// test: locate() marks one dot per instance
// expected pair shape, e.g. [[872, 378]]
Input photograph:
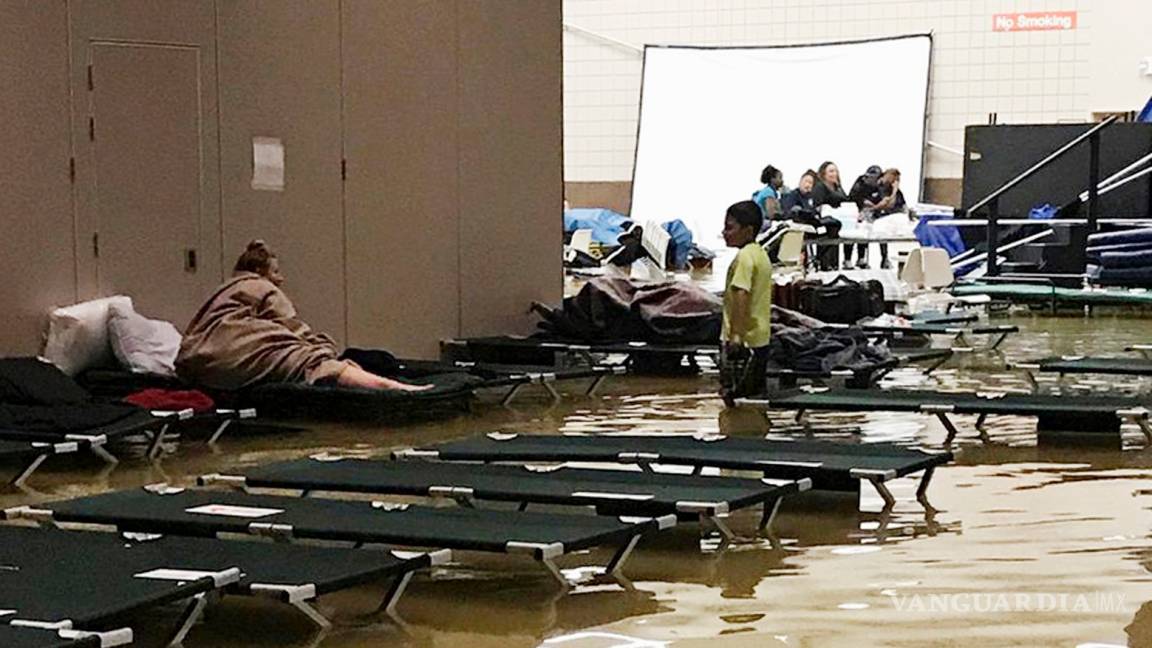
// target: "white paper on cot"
[[181, 575], [234, 511]]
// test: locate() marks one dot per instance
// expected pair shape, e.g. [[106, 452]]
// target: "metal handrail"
[[1058, 153]]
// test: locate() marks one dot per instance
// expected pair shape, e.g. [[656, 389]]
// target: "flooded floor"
[[1034, 545]]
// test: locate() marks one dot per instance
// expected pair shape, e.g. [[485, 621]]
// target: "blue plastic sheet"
[[606, 225], [681, 243], [946, 238]]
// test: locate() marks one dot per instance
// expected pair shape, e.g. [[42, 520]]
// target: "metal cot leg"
[[219, 431], [766, 519], [615, 567], [596, 384], [922, 489], [885, 494], [511, 395], [392, 598], [22, 477], [188, 618], [948, 425]]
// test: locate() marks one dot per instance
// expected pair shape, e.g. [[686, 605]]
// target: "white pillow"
[[142, 345], [78, 335]]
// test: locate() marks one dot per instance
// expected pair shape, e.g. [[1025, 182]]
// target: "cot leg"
[[800, 415], [922, 490], [939, 362], [392, 597], [1145, 428], [100, 451], [552, 391], [1032, 383], [511, 395], [22, 477], [219, 431], [981, 429], [522, 507], [556, 574], [156, 444], [766, 519], [596, 384], [615, 566], [313, 614], [188, 618], [726, 533], [948, 425], [885, 494]]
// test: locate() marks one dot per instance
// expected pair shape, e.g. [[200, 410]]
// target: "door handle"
[[190, 260]]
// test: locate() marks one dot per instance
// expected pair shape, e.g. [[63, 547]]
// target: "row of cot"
[[57, 584], [32, 446], [31, 431]]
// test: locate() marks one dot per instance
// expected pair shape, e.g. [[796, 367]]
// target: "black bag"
[[843, 301]]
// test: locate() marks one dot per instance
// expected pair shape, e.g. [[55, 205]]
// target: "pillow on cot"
[[78, 335], [142, 345]]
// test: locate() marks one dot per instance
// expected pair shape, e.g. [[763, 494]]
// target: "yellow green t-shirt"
[[751, 271]]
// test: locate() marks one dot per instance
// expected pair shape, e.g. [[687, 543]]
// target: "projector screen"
[[712, 118]]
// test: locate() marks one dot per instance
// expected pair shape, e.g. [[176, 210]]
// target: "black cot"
[[94, 425], [611, 492], [20, 636], [163, 509], [515, 377], [293, 574], [1064, 413], [1064, 365], [536, 351], [61, 580], [28, 455], [829, 466]]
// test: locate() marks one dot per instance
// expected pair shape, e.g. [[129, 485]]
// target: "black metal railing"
[[991, 202]]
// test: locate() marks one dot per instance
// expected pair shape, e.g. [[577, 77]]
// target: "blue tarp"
[[946, 238], [606, 225], [1146, 114], [681, 243]]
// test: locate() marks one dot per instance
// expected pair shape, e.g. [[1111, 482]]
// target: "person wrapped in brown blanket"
[[248, 333]]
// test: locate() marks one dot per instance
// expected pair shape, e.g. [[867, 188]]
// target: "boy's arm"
[[741, 308]]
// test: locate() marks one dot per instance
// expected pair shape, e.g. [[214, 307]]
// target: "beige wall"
[[37, 264], [280, 77], [447, 112]]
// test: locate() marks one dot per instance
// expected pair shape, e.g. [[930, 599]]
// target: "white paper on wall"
[[712, 118], [267, 164]]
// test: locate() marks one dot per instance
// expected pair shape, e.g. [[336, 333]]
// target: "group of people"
[[876, 193], [747, 325]]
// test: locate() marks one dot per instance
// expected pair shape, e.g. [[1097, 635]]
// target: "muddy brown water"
[[1035, 545]]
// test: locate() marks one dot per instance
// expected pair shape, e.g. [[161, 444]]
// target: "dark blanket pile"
[[36, 396], [823, 350], [609, 309]]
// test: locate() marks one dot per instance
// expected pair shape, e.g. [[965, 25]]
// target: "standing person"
[[828, 191], [768, 196], [747, 322], [866, 194], [891, 201]]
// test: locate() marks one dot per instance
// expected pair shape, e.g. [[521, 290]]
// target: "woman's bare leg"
[[354, 376]]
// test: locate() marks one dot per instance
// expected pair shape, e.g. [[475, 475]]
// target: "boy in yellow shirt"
[[747, 304]]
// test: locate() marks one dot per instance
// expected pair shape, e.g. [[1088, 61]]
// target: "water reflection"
[[1015, 517]]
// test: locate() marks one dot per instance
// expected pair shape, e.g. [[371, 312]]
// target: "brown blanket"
[[248, 333]]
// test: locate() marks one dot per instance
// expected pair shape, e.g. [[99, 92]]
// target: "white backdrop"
[[711, 119]]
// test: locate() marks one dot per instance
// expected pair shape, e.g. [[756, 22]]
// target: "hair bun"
[[256, 244]]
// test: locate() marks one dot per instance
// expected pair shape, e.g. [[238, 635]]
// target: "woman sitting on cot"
[[248, 333]]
